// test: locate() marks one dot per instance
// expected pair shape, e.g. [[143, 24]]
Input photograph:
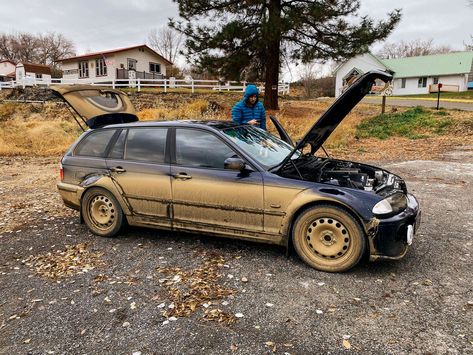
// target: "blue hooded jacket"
[[243, 112]]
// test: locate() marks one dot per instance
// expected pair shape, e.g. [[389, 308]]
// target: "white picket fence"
[[138, 84]]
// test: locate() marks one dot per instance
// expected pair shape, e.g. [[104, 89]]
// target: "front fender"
[[358, 203]]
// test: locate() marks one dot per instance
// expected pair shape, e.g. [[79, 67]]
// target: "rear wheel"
[[102, 212], [328, 238]]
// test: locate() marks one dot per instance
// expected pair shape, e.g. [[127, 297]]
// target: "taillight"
[[61, 172]]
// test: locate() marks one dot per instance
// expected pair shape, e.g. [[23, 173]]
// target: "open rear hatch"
[[97, 106]]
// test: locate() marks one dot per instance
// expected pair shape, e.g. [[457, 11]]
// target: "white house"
[[31, 71], [123, 63], [7, 70], [413, 75]]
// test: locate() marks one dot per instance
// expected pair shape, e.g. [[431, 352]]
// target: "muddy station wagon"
[[237, 181]]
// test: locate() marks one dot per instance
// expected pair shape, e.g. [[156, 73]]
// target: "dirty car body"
[[216, 178]]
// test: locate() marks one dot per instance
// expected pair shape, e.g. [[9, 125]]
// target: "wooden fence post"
[[139, 84], [383, 105], [165, 85], [193, 86]]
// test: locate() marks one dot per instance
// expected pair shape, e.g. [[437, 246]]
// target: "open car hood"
[[323, 128], [97, 106]]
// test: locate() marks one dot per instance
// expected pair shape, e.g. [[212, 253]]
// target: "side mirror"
[[234, 164]]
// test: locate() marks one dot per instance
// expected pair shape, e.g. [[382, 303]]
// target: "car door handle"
[[117, 169], [183, 176]]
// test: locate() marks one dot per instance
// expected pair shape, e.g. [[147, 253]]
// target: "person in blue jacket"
[[250, 110]]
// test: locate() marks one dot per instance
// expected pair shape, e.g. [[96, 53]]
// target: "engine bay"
[[343, 173]]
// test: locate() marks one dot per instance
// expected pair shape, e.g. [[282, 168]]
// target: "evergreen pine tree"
[[246, 39]]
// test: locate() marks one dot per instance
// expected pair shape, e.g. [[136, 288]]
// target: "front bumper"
[[70, 194], [393, 235]]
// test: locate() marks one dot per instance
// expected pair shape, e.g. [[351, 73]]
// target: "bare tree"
[[469, 46], [40, 48], [54, 46], [308, 75], [411, 49], [166, 41]]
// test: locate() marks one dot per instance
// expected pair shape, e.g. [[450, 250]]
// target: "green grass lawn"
[[465, 95], [414, 123]]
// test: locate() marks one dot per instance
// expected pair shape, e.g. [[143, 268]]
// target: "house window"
[[84, 69], [436, 80], [154, 67], [39, 76], [422, 83], [131, 64], [403, 83], [100, 67]]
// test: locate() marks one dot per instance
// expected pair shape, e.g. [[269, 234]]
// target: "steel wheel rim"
[[102, 212], [327, 238]]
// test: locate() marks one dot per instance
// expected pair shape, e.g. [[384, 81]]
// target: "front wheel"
[[102, 212], [328, 238]]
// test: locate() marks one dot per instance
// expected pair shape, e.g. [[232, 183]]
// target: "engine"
[[344, 173]]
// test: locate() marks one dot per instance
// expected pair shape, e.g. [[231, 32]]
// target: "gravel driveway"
[[154, 292]]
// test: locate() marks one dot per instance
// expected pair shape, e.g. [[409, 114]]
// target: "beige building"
[[29, 72], [140, 62], [7, 70]]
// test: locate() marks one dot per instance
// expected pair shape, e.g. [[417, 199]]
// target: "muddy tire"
[[328, 238], [102, 212]]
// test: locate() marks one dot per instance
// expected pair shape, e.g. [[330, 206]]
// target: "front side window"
[[422, 83], [146, 144], [100, 67], [436, 80], [154, 68], [267, 149], [196, 148], [95, 144], [84, 69]]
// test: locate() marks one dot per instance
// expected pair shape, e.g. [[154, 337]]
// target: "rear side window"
[[146, 144], [119, 147], [95, 144]]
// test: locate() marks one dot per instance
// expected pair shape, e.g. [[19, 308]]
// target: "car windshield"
[[267, 149]]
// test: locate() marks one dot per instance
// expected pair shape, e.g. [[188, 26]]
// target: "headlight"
[[390, 205]]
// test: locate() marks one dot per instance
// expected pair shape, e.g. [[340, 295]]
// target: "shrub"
[[414, 123]]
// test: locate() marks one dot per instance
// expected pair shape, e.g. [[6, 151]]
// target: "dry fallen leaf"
[[73, 260], [233, 347], [190, 290], [346, 344]]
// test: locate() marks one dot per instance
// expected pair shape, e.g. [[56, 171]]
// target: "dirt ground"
[[63, 290]]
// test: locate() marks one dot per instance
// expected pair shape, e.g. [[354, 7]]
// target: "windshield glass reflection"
[[267, 149]]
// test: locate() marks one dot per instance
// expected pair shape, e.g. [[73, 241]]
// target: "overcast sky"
[[95, 25]]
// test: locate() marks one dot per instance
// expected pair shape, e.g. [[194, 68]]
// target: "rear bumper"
[[391, 241], [70, 194]]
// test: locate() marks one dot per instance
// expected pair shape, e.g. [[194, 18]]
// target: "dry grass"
[[298, 116], [36, 129], [49, 129], [196, 109]]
